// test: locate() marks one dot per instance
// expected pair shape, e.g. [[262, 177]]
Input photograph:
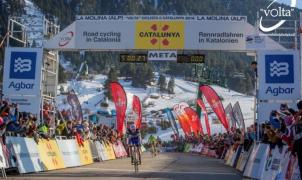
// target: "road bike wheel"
[[135, 155]]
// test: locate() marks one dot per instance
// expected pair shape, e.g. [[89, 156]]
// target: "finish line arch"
[[122, 33]]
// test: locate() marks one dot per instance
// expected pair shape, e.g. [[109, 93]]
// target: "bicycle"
[[153, 149], [135, 157]]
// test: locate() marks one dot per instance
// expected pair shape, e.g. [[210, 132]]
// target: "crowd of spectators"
[[23, 124]]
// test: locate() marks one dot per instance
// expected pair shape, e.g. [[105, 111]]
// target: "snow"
[[33, 20], [185, 91]]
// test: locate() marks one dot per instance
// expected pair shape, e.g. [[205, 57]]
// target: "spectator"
[[297, 135]]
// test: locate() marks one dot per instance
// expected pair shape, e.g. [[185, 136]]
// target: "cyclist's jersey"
[[152, 139], [133, 137]]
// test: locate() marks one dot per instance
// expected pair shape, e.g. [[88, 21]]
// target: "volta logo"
[[279, 69], [66, 38], [273, 13], [23, 65]]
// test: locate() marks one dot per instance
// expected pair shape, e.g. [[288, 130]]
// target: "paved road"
[[165, 166]]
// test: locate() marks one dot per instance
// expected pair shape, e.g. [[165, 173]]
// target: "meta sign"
[[279, 75]]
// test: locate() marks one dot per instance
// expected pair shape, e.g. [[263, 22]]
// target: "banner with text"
[[104, 32]]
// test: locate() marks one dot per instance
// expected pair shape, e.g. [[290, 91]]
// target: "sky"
[[299, 2]]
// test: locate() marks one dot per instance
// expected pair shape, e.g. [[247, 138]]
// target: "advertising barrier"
[[119, 150], [109, 151], [26, 153], [50, 155], [243, 159], [69, 152], [273, 163], [3, 159], [257, 161], [85, 153], [101, 151], [94, 151]]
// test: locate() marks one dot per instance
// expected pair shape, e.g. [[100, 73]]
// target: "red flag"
[[120, 100], [182, 119], [204, 111], [137, 109], [215, 102], [194, 121]]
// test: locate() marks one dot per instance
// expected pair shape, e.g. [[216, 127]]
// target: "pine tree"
[[162, 82], [112, 77], [171, 85]]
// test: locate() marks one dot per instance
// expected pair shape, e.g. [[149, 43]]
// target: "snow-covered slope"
[[33, 20], [91, 92]]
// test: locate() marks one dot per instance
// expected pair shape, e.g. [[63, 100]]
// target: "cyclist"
[[134, 140], [152, 141]]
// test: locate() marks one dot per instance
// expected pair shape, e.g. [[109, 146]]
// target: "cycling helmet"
[[132, 127]]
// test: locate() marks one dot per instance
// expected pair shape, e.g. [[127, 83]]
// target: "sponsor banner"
[[75, 104], [257, 161], [30, 104], [279, 75], [162, 55], [137, 109], [194, 121], [50, 155], [85, 153], [22, 71], [120, 101], [265, 109], [64, 40], [153, 33], [159, 35], [230, 116], [215, 103], [101, 151], [205, 114], [70, 152], [198, 18], [211, 36], [105, 35], [172, 119], [182, 118], [26, 153]]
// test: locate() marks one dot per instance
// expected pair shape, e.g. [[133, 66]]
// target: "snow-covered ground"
[[185, 91]]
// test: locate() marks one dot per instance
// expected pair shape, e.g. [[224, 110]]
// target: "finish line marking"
[[169, 172]]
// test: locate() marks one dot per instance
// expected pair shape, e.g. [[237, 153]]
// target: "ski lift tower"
[[25, 36]]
